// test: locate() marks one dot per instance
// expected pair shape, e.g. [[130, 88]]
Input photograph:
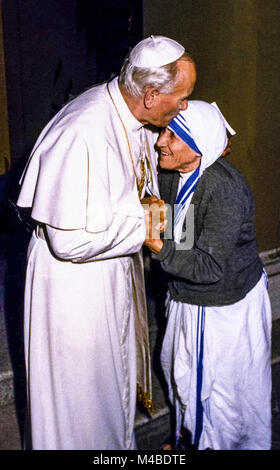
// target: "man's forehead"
[[187, 75], [184, 88], [189, 70]]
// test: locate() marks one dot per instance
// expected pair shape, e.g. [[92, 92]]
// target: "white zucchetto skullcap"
[[155, 51]]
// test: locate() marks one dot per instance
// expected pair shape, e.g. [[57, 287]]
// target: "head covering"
[[155, 51], [202, 127], [229, 128], [179, 126]]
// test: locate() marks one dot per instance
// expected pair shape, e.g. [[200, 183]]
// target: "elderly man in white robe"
[[216, 350], [84, 283]]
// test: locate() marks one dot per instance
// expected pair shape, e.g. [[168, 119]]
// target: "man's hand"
[[155, 216]]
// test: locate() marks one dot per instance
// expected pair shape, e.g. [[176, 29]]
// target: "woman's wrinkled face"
[[175, 154]]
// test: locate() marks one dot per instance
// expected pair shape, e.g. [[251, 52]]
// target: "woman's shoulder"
[[223, 172], [223, 181]]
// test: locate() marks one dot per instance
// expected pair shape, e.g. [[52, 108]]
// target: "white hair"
[[135, 79]]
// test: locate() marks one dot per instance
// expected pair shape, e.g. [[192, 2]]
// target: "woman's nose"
[[162, 139]]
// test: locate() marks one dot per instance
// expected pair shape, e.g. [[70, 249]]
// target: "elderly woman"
[[216, 349]]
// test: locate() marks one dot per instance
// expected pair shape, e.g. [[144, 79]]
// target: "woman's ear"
[[150, 97]]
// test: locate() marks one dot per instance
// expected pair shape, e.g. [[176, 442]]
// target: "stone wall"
[[236, 46]]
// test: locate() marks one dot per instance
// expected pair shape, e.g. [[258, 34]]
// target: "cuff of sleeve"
[[167, 249]]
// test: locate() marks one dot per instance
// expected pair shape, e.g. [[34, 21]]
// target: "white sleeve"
[[125, 236]]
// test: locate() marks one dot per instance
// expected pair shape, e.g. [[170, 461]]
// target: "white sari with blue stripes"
[[216, 361], [217, 364]]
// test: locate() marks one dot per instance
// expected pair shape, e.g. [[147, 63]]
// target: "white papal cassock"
[[80, 341]]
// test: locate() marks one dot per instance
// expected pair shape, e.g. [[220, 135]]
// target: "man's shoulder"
[[91, 101], [84, 113]]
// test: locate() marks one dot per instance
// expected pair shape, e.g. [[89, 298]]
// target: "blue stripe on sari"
[[185, 193], [199, 352], [182, 121], [174, 126], [187, 185]]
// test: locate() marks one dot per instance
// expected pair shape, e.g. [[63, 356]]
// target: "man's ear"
[[150, 97]]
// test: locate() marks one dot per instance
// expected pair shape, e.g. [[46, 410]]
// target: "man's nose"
[[183, 105]]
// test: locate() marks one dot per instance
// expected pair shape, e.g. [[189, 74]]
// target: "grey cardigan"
[[223, 265]]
